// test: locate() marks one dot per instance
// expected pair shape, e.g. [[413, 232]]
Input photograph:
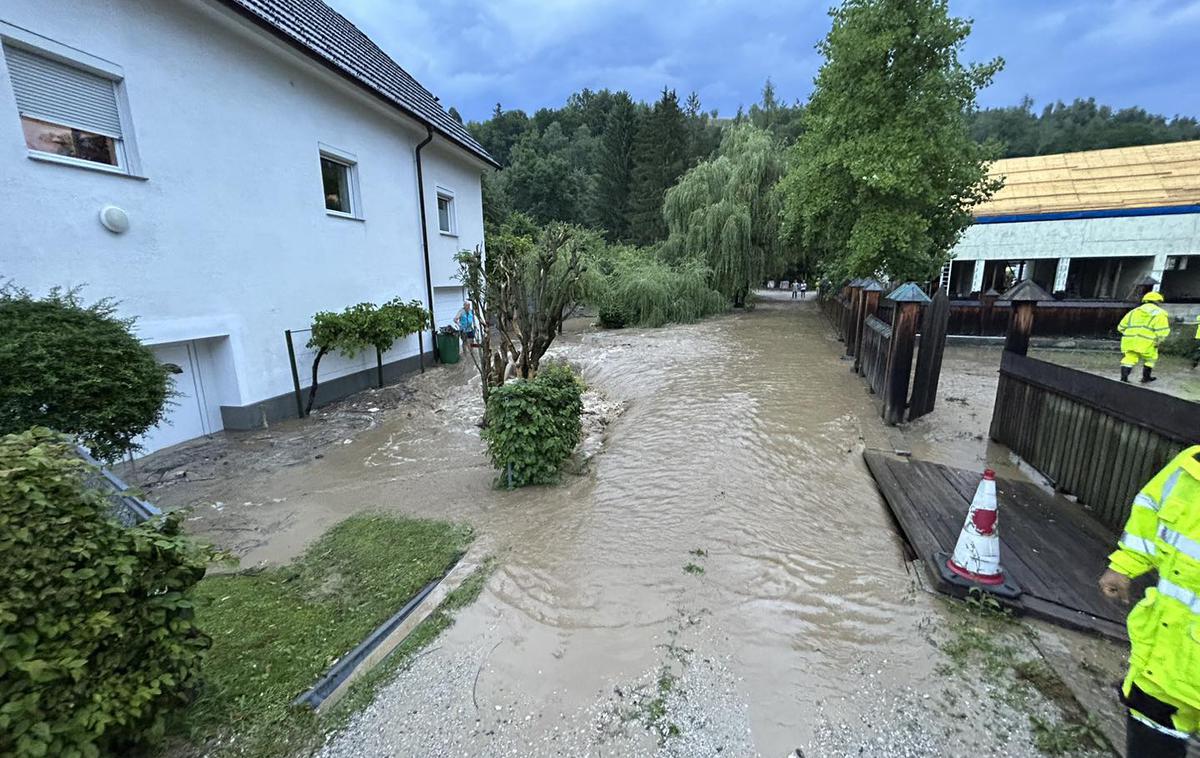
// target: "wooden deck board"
[[1052, 548]]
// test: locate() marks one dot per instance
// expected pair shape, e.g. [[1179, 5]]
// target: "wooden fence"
[[1055, 318], [1096, 438], [876, 344], [881, 334]]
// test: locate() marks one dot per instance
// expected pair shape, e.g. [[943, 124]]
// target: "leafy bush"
[[533, 425], [638, 289], [97, 641], [1181, 342], [77, 369]]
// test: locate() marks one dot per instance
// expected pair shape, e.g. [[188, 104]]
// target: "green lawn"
[[275, 631]]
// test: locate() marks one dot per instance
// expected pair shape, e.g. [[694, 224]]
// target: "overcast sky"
[[529, 53]]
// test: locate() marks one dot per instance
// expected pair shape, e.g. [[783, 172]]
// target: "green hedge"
[[97, 641], [533, 426]]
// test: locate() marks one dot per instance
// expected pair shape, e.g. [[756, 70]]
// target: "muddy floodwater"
[[734, 452]]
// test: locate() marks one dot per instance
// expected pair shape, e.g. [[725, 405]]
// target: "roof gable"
[[324, 34]]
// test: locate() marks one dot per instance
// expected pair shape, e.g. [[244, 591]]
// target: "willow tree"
[[884, 176], [725, 212]]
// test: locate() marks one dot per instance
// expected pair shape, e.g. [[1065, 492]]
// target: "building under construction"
[[1088, 225]]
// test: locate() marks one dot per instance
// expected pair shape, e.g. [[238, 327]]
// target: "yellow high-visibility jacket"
[[1143, 328], [1163, 533], [1198, 327]]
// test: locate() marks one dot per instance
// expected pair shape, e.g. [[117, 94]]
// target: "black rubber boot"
[[1147, 375], [1125, 372], [1142, 741]]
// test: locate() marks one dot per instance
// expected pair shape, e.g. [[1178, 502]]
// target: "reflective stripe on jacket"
[[1143, 327], [1163, 534]]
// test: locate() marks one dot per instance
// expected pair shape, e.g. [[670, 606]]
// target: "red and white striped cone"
[[977, 554]]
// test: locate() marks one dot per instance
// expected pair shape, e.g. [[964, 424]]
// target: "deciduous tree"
[[725, 212], [885, 175]]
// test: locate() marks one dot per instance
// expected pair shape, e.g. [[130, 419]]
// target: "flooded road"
[[727, 541]]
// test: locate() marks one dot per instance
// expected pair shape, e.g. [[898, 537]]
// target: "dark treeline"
[[604, 160], [1081, 125]]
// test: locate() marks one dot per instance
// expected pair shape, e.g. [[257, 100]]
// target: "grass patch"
[[363, 690], [981, 633], [275, 631], [699, 552], [692, 568], [653, 709], [985, 635]]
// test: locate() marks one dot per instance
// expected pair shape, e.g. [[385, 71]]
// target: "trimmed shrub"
[[97, 642], [533, 425], [77, 369]]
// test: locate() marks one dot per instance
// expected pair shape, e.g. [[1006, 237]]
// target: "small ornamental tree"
[[77, 369], [360, 327], [522, 289], [97, 639]]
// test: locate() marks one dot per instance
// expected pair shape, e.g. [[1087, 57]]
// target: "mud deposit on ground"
[[727, 540]]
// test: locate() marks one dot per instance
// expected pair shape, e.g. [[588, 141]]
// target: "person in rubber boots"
[[1141, 330], [1162, 688]]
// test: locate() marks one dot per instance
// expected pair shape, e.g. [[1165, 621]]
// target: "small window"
[[339, 183], [445, 203], [66, 111], [336, 177]]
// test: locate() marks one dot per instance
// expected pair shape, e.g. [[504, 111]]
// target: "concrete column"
[[1060, 274], [977, 277], [1157, 269]]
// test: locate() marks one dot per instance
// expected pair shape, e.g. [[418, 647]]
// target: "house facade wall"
[[229, 242], [1152, 237]]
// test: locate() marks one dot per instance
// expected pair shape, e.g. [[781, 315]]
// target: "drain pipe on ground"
[[425, 244]]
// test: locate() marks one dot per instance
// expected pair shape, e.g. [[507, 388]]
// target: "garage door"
[[190, 414], [446, 302]]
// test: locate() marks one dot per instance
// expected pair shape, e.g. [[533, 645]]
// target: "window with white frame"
[[339, 182], [69, 111], [445, 205]]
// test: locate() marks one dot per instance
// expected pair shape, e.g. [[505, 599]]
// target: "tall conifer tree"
[[659, 158], [615, 177]]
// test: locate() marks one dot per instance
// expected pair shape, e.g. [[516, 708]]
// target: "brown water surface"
[[741, 438]]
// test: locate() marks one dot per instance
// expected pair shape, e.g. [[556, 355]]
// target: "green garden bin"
[[447, 346]]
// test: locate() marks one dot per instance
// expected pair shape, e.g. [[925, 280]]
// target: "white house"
[[1088, 224], [225, 169]]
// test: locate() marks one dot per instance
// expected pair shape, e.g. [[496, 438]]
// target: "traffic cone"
[[977, 554]]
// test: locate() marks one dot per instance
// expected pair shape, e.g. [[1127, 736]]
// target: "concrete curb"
[[380, 643]]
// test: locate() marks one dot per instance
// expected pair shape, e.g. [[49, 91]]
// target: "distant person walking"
[[795, 290], [1162, 688], [803, 289], [1142, 329]]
